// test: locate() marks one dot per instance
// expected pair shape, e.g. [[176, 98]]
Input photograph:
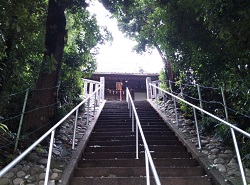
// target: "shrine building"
[[116, 84]]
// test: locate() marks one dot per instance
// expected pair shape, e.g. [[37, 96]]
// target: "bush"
[[223, 133], [186, 110], [209, 125]]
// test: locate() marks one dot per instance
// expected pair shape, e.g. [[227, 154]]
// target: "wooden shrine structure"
[[116, 84]]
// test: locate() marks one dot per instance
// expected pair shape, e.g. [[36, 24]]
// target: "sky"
[[118, 56]]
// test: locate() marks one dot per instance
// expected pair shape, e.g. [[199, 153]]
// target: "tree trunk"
[[167, 64], [44, 98]]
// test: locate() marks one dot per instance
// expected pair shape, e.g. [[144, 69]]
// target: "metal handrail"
[[148, 157], [52, 132], [232, 127]]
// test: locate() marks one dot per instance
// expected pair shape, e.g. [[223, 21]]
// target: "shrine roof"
[[119, 73], [123, 76]]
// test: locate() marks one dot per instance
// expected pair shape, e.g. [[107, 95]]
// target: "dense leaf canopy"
[[206, 42], [28, 54]]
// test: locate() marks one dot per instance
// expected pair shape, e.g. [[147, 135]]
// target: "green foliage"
[[207, 41], [162, 78], [79, 57], [186, 110], [39, 148], [21, 43], [7, 144], [21, 51], [3, 128], [245, 149], [22, 36], [223, 133], [209, 125]]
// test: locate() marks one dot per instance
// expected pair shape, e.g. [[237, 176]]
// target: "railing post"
[[74, 134], [164, 100], [126, 94], [234, 140], [133, 122], [224, 102], [130, 109], [154, 92], [88, 112], [197, 128], [147, 168], [137, 141], [21, 119], [102, 94], [91, 88], [95, 103], [149, 88], [98, 95], [85, 88], [49, 157], [238, 157], [157, 93]]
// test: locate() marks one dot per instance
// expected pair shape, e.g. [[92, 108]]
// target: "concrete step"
[[129, 133], [114, 128], [132, 142], [126, 117], [132, 148], [126, 113], [112, 120], [108, 118], [112, 138], [204, 180], [136, 163], [129, 123], [132, 155], [137, 171]]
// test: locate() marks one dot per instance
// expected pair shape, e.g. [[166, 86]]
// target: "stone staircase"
[[109, 158]]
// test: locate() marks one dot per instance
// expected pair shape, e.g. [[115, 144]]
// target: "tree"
[[21, 42], [207, 43], [33, 54], [48, 79], [79, 55], [21, 50], [209, 38]]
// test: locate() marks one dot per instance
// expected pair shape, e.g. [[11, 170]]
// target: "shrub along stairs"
[[109, 158]]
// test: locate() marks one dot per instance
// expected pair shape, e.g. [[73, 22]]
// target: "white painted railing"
[[91, 85], [148, 159], [97, 98], [154, 91]]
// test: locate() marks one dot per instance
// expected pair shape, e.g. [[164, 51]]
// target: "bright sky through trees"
[[118, 56]]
